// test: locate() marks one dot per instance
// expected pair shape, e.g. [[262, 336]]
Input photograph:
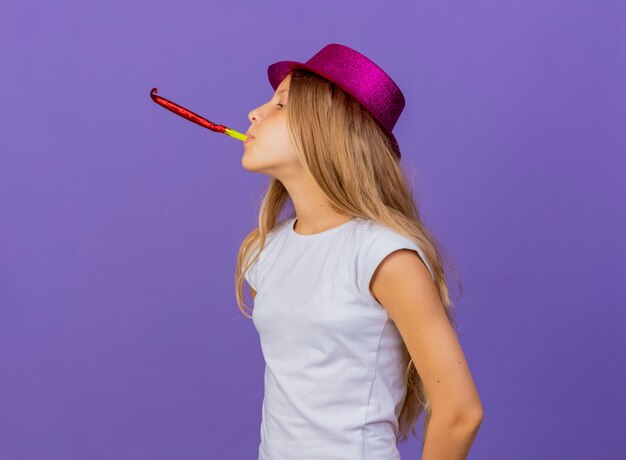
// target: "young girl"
[[350, 300]]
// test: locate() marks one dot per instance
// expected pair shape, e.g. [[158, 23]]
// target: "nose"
[[253, 121], [252, 116]]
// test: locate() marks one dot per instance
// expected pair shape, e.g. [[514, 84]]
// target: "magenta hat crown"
[[356, 74]]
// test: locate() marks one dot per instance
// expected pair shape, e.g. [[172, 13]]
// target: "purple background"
[[120, 221]]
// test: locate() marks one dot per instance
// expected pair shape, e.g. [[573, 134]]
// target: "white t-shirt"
[[334, 367]]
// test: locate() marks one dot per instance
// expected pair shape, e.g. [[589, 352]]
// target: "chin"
[[248, 163]]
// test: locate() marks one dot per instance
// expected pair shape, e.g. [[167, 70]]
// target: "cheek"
[[282, 141], [268, 148], [272, 147], [278, 139]]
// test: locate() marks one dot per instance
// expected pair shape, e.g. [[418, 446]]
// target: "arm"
[[404, 287]]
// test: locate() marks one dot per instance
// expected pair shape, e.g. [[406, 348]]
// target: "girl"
[[350, 300]]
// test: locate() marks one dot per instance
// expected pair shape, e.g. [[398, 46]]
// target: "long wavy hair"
[[356, 166]]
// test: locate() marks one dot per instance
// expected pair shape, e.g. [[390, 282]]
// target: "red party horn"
[[189, 115]]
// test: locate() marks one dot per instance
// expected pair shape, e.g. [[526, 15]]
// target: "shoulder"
[[254, 275], [377, 243], [396, 267], [381, 248], [371, 231], [277, 231], [374, 237], [273, 238], [368, 232]]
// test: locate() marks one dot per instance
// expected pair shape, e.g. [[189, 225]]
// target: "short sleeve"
[[251, 275], [380, 246]]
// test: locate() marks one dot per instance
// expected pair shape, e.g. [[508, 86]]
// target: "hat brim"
[[277, 71]]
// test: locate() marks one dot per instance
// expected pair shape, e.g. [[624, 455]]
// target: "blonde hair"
[[356, 166]]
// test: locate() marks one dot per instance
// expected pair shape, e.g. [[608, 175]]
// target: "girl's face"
[[268, 149]]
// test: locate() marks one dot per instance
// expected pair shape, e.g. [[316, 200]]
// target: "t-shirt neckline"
[[317, 235]]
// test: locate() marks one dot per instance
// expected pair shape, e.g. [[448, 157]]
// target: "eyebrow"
[[282, 91]]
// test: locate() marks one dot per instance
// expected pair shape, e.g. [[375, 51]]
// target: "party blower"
[[189, 115]]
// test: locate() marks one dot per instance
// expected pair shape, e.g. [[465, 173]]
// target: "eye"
[[281, 105]]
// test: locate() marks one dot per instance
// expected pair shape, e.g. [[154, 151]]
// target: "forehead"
[[282, 92], [284, 86]]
